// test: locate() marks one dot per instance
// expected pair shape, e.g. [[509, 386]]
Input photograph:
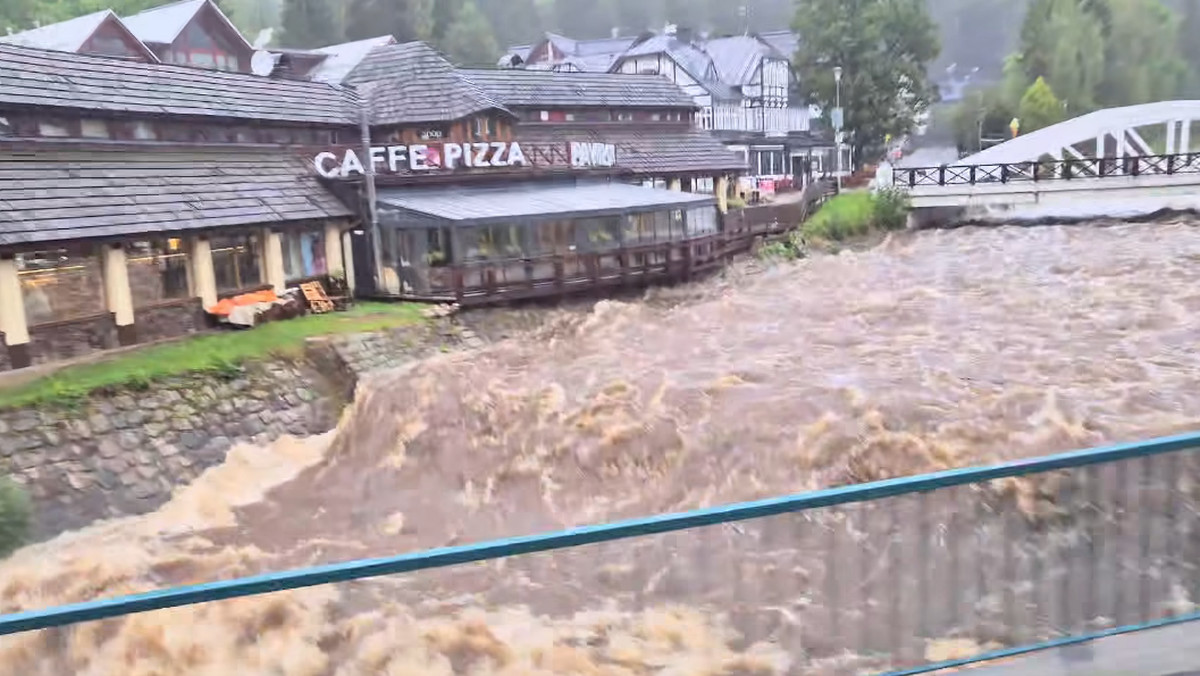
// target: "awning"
[[479, 205]]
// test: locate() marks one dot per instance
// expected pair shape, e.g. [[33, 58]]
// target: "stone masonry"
[[124, 453]]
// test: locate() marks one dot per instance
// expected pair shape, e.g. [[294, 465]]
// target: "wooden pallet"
[[314, 293]]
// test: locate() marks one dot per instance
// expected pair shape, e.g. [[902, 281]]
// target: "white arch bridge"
[[1118, 161]]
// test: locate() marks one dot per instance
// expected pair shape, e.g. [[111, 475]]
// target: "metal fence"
[[1049, 170], [903, 576]]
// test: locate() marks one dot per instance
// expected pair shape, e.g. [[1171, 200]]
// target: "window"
[[304, 254], [701, 221], [483, 127], [144, 131], [602, 233], [235, 262], [622, 116], [569, 117], [656, 117], [492, 242], [544, 116], [556, 237], [61, 284], [53, 129], [202, 59], [158, 271], [706, 118], [93, 129], [5, 127]]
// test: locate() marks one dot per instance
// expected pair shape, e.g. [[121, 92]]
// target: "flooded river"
[[932, 350]]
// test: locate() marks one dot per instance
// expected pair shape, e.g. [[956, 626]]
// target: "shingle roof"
[[64, 36], [33, 77], [53, 194], [691, 58], [786, 43], [341, 59], [412, 83], [649, 150], [737, 58], [163, 24], [493, 203], [532, 88]]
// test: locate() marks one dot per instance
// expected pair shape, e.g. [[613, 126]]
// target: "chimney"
[[684, 34]]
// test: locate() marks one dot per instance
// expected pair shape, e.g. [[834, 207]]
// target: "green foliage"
[[777, 251], [1189, 45], [221, 355], [469, 40], [982, 114], [1143, 61], [890, 208], [1039, 107], [406, 20], [15, 516], [308, 24], [884, 48], [855, 214]]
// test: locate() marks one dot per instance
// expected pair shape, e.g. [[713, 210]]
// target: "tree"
[[406, 20], [469, 40], [1143, 63], [513, 21], [1189, 47], [308, 24], [1039, 107], [1063, 42], [884, 48]]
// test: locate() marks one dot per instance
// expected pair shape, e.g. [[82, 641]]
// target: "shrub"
[[890, 207], [777, 251], [15, 514]]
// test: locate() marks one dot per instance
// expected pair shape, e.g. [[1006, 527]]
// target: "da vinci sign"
[[419, 158]]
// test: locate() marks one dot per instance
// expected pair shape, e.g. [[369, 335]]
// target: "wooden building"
[[133, 195]]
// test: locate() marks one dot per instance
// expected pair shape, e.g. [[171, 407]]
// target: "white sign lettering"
[[587, 155], [421, 158]]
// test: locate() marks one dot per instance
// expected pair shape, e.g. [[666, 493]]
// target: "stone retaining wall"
[[124, 453]]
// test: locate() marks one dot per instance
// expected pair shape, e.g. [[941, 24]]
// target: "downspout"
[[369, 173]]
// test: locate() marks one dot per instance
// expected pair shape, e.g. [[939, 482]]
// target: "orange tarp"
[[226, 306]]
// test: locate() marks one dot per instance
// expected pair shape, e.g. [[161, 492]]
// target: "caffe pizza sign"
[[399, 159]]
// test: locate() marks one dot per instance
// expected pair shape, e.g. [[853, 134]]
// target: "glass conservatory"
[[442, 242]]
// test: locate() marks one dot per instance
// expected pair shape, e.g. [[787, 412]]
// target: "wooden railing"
[[517, 278]]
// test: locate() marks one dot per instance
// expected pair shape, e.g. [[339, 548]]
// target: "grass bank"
[[848, 216], [220, 353]]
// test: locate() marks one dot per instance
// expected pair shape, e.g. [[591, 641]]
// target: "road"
[[1173, 651]]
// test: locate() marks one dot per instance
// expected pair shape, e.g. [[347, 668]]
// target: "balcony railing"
[[771, 121]]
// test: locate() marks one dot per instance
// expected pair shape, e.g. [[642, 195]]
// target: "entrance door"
[[364, 262]]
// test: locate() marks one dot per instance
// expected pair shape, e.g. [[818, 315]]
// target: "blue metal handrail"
[[450, 556]]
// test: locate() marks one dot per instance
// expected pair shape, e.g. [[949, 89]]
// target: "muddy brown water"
[[931, 350]]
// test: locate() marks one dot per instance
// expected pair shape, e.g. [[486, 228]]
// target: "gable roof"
[[786, 43], [737, 58], [163, 24], [64, 36], [691, 58], [412, 83], [46, 79], [343, 58], [536, 88], [72, 34]]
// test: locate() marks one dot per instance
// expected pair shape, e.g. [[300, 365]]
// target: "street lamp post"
[[838, 121]]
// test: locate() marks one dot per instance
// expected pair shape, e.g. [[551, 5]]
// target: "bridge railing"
[[903, 576], [1048, 170]]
